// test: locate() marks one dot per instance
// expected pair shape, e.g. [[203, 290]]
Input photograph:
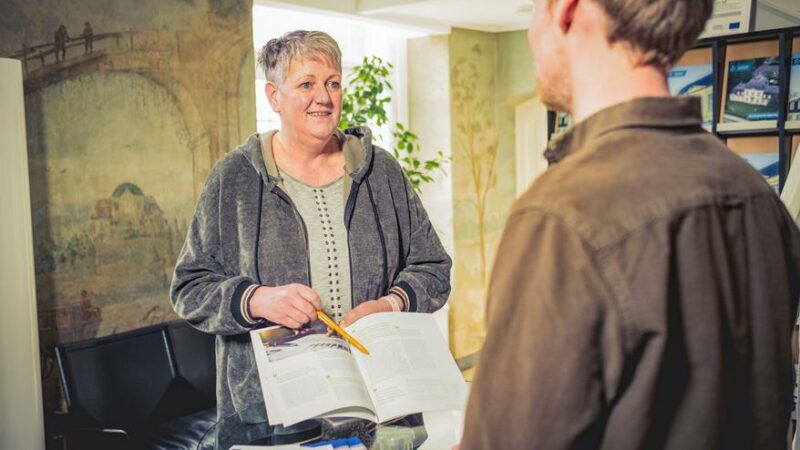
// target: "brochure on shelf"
[[793, 107], [751, 87], [697, 81], [763, 153], [753, 90]]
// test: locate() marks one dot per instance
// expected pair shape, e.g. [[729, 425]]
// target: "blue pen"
[[336, 443]]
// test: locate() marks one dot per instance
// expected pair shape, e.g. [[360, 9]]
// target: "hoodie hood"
[[356, 143]]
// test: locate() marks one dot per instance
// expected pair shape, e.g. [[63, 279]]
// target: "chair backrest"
[[195, 358], [117, 380]]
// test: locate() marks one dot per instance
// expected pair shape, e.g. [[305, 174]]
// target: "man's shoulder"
[[623, 182]]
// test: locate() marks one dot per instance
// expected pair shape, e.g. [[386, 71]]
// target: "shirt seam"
[[581, 230]]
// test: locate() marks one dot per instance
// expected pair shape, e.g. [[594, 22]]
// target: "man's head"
[[652, 32]]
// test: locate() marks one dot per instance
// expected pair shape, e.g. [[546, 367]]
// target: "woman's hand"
[[366, 308], [291, 305]]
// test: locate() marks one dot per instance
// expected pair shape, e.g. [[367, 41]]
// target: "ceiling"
[[434, 16], [438, 16]]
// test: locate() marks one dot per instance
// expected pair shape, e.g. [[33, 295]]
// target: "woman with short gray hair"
[[303, 219]]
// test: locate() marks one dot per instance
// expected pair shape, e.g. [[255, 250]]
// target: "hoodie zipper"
[[348, 216], [384, 267]]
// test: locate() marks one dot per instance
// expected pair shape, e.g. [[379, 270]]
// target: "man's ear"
[[564, 13], [272, 95]]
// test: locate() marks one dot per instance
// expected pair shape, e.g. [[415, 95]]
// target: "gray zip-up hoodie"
[[246, 232]]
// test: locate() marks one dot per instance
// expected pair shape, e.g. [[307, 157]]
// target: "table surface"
[[397, 434]]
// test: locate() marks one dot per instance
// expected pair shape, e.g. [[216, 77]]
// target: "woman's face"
[[309, 100]]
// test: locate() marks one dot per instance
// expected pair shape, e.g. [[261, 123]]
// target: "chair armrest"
[[81, 432], [85, 438]]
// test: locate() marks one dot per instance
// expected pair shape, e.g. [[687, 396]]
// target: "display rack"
[[786, 132]]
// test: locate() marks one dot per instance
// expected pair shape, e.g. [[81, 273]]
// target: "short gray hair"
[[274, 58]]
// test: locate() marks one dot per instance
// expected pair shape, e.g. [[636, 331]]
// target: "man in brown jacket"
[[645, 289]]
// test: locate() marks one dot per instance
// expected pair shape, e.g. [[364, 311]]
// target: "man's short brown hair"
[[659, 30]]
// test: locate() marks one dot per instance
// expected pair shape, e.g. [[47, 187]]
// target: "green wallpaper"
[[490, 73]]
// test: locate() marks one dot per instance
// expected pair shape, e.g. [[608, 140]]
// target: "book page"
[[409, 368], [308, 373]]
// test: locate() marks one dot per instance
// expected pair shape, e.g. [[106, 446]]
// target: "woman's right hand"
[[291, 305]]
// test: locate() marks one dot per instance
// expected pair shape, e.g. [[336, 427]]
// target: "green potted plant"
[[364, 103]]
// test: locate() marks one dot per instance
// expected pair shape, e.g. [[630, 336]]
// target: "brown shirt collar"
[[649, 112]]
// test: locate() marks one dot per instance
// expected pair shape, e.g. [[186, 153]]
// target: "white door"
[[22, 420], [531, 137]]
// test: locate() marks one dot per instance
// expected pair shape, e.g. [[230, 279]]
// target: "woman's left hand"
[[364, 309]]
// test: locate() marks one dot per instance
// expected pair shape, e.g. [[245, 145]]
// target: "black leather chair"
[[189, 410], [148, 388], [200, 372]]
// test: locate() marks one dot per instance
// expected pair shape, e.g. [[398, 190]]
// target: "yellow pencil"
[[335, 327]]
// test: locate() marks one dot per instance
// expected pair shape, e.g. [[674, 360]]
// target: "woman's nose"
[[321, 95]]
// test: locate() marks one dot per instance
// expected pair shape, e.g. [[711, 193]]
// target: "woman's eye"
[[305, 85], [335, 84]]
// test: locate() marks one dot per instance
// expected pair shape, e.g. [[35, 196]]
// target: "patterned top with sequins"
[[322, 210]]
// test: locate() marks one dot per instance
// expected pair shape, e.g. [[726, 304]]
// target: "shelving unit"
[[788, 42], [784, 42]]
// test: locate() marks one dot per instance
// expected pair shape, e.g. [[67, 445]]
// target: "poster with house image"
[[695, 80], [752, 90], [794, 89]]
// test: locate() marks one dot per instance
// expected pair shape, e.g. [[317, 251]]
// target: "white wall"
[[429, 118], [771, 14], [21, 419], [356, 37]]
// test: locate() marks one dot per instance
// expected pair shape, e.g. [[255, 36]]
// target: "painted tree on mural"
[[477, 136]]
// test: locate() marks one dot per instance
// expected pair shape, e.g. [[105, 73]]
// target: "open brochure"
[[315, 373]]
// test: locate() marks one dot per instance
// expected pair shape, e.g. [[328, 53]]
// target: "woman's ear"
[[272, 96]]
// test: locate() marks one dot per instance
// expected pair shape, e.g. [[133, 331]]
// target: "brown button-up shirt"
[[643, 296]]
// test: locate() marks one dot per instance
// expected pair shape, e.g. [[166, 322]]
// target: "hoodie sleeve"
[[202, 292], [424, 283]]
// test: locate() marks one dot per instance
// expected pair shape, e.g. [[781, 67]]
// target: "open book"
[[311, 373]]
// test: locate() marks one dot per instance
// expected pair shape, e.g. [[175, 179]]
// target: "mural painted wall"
[[490, 73], [128, 105]]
